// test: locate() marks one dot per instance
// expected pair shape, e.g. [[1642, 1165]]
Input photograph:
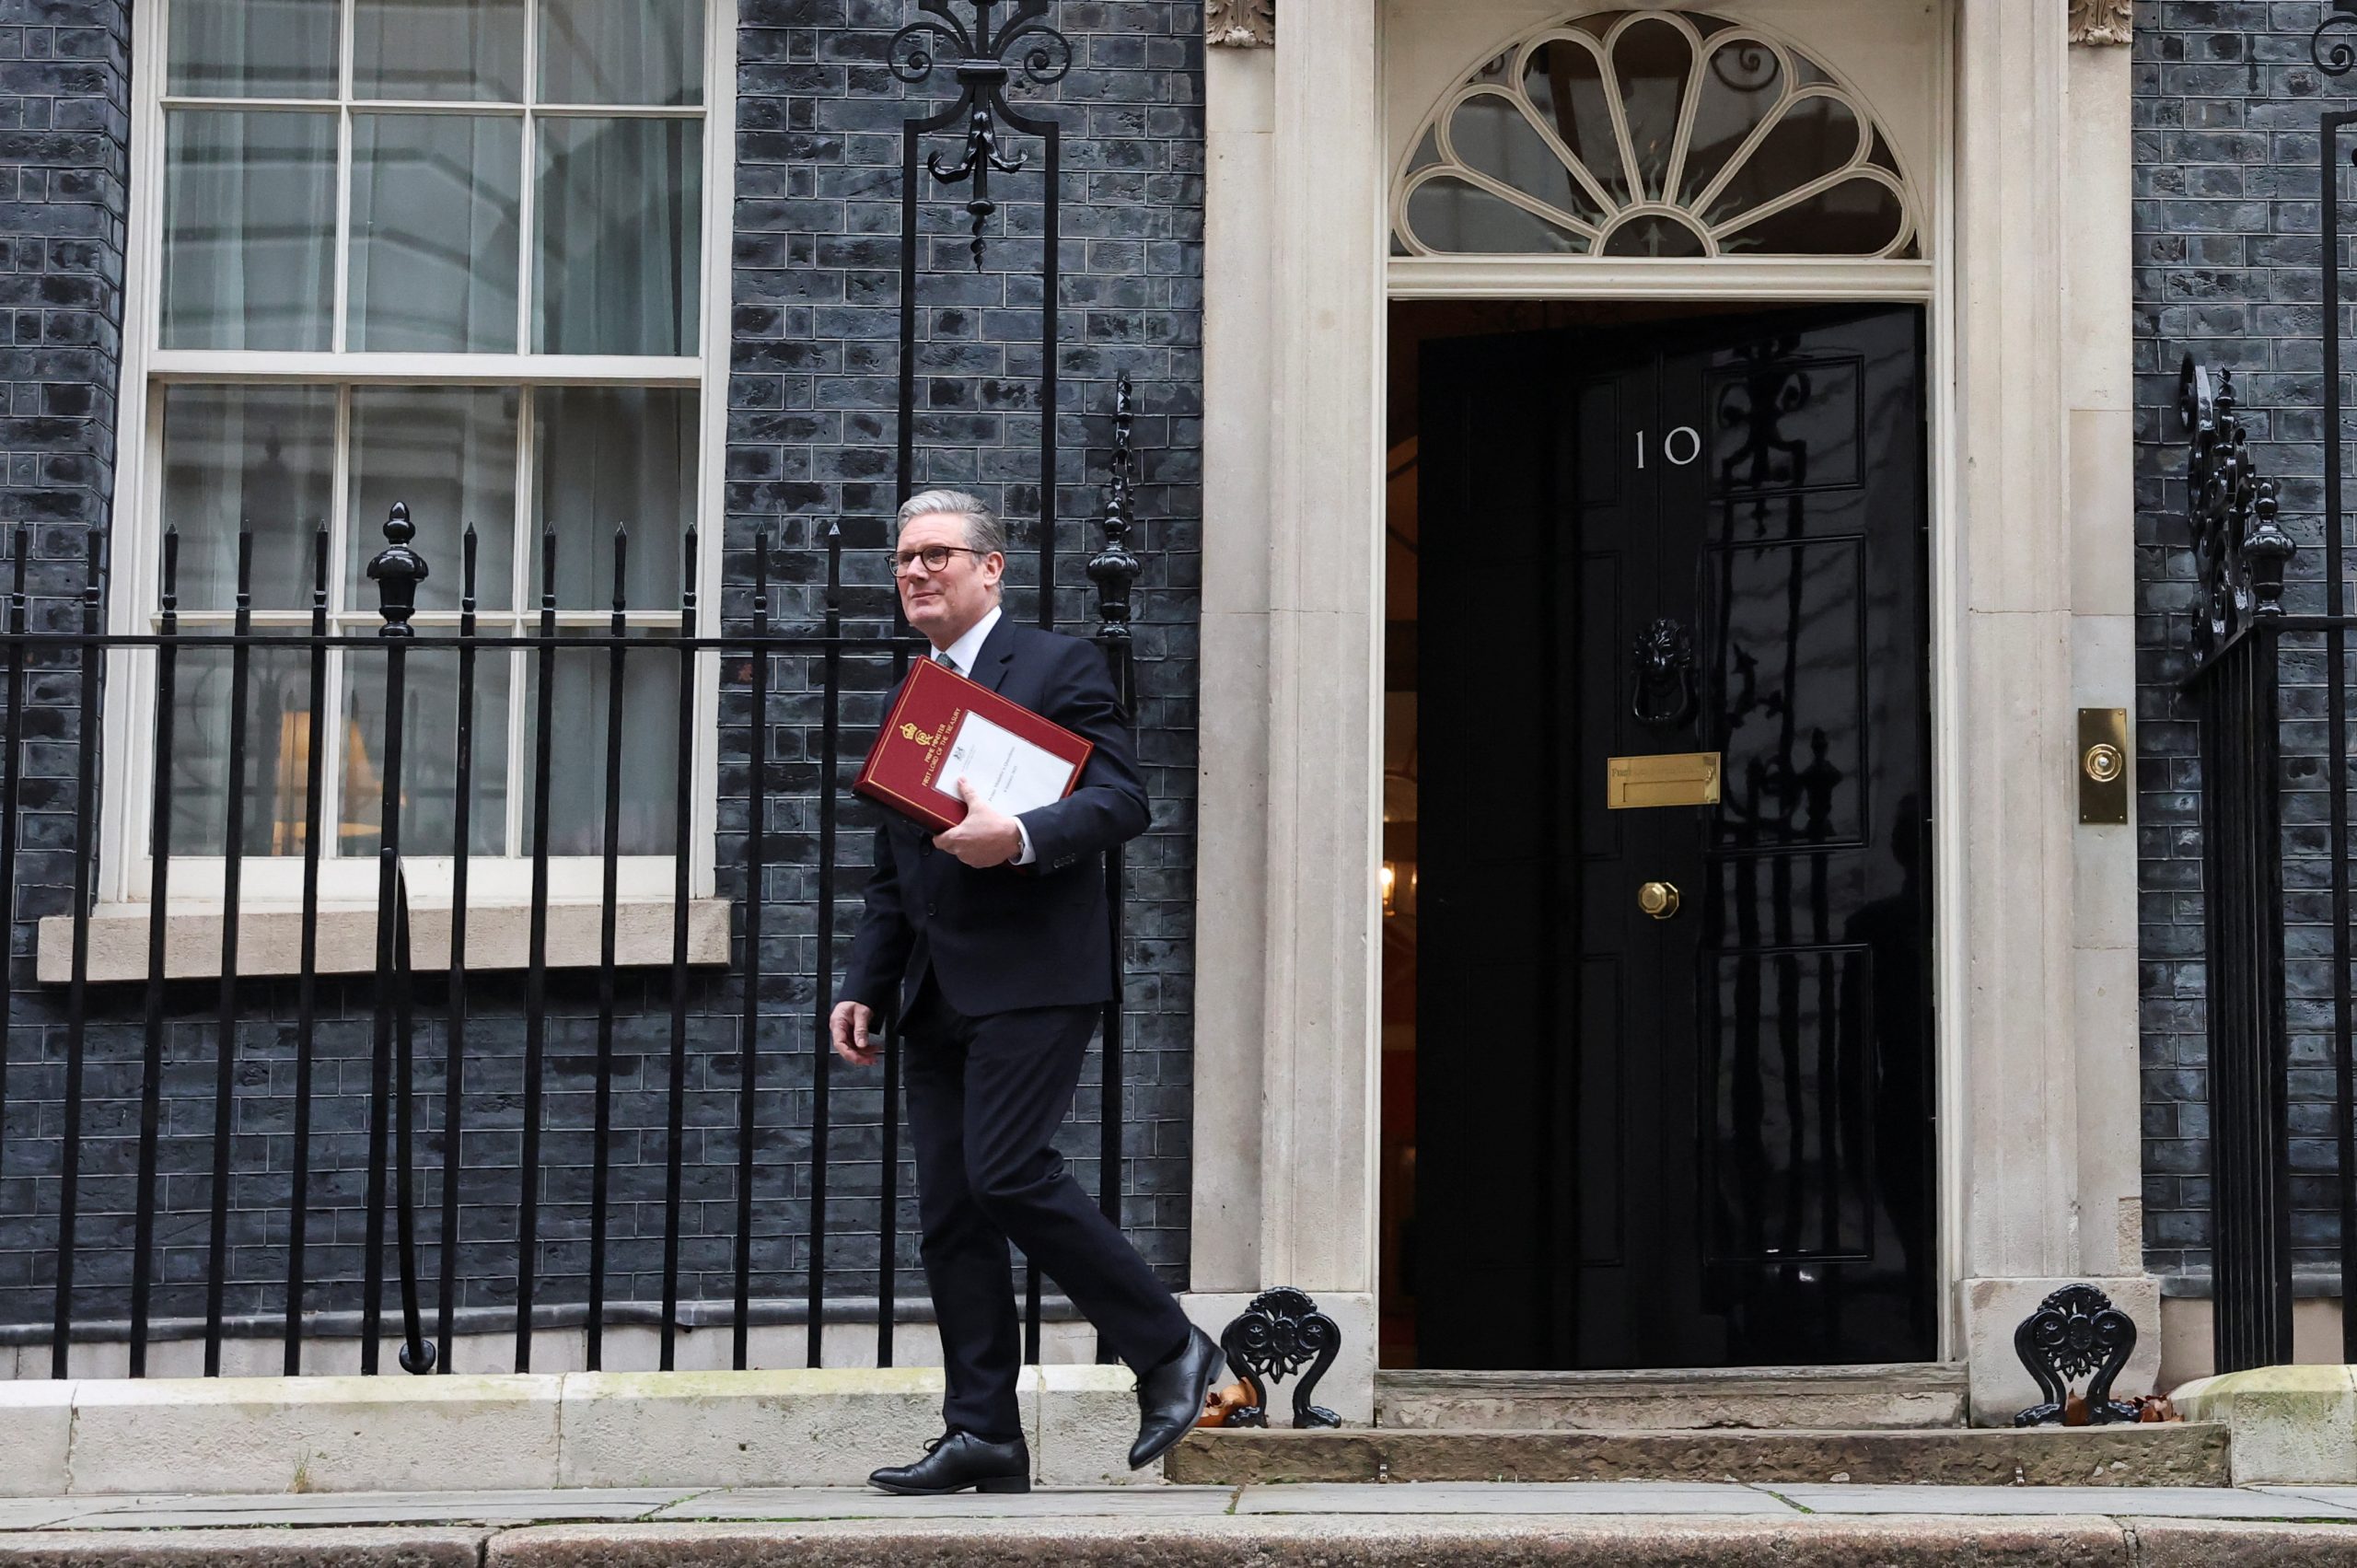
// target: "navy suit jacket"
[[1000, 938]]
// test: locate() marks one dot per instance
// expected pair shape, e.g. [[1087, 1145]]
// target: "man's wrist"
[[1023, 853]]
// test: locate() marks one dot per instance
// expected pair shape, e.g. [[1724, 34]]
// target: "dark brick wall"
[[810, 444], [2227, 248], [65, 130], [815, 385]]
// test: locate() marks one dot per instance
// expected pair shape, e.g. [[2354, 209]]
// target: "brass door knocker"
[[1664, 690]]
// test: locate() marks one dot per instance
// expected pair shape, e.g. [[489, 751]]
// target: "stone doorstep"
[[2061, 1541], [828, 1428], [2292, 1425], [1839, 1399], [2160, 1454]]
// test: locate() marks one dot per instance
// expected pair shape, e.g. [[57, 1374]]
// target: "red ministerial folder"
[[944, 727]]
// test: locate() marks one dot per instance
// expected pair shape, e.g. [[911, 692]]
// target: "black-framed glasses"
[[935, 556]]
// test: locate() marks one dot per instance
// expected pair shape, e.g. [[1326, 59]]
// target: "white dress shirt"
[[959, 657]]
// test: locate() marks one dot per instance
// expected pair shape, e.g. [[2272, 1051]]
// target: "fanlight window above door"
[[1654, 134]]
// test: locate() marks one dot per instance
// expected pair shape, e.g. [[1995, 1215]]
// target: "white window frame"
[[134, 553]]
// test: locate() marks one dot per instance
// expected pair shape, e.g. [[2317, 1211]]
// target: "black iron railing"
[[793, 800], [2270, 687], [788, 661], [2273, 797]]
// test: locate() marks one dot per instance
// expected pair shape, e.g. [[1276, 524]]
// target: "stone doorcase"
[[2028, 231]]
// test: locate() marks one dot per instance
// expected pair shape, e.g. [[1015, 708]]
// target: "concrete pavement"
[[1623, 1525], [1439, 1500]]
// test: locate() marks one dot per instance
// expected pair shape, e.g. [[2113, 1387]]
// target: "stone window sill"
[[270, 938]]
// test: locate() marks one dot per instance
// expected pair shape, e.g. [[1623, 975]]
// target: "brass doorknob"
[[1658, 900]]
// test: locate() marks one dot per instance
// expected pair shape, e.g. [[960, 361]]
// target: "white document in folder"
[[1010, 773]]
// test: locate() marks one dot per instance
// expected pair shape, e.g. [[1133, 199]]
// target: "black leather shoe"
[[1171, 1396], [956, 1461]]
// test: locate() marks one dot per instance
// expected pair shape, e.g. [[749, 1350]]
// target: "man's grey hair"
[[985, 533]]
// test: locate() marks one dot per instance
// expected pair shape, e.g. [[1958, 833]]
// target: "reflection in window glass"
[[253, 48], [264, 457], [1857, 217], [1654, 235], [1567, 83], [436, 200], [439, 48], [270, 794], [650, 758], [1653, 60], [249, 230], [637, 52], [1450, 215], [1491, 136], [1816, 136], [448, 453], [620, 208], [607, 456], [429, 754], [1743, 83]]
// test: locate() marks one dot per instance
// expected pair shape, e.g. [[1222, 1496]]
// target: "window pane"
[[1452, 215], [1816, 136], [449, 453], [439, 48], [270, 783], [1654, 61], [610, 455], [615, 270], [253, 48], [249, 230], [650, 732], [429, 753], [436, 200], [1743, 83], [264, 455], [641, 51]]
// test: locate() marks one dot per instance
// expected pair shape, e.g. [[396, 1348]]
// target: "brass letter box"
[[1681, 778]]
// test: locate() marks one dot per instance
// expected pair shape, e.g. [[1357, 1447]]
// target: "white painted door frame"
[[2032, 590]]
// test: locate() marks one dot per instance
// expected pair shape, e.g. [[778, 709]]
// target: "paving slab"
[[199, 1511], [806, 1503], [1124, 1537], [1792, 1541], [244, 1549], [32, 1513], [2118, 1502], [2152, 1454], [2340, 1496], [1575, 1498]]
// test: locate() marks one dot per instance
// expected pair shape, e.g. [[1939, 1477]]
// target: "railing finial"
[[397, 570], [2239, 552], [1115, 569]]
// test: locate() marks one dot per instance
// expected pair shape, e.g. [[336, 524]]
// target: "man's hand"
[[848, 1024], [987, 837]]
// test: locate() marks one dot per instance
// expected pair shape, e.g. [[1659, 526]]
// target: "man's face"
[[944, 604]]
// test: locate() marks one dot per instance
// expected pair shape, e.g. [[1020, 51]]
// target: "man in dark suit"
[[996, 935]]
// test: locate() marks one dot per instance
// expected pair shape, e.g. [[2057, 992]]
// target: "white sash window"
[[464, 254]]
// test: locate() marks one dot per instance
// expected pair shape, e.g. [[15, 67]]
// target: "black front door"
[[1674, 1085]]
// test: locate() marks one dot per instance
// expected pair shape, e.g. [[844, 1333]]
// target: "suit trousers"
[[985, 1097]]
